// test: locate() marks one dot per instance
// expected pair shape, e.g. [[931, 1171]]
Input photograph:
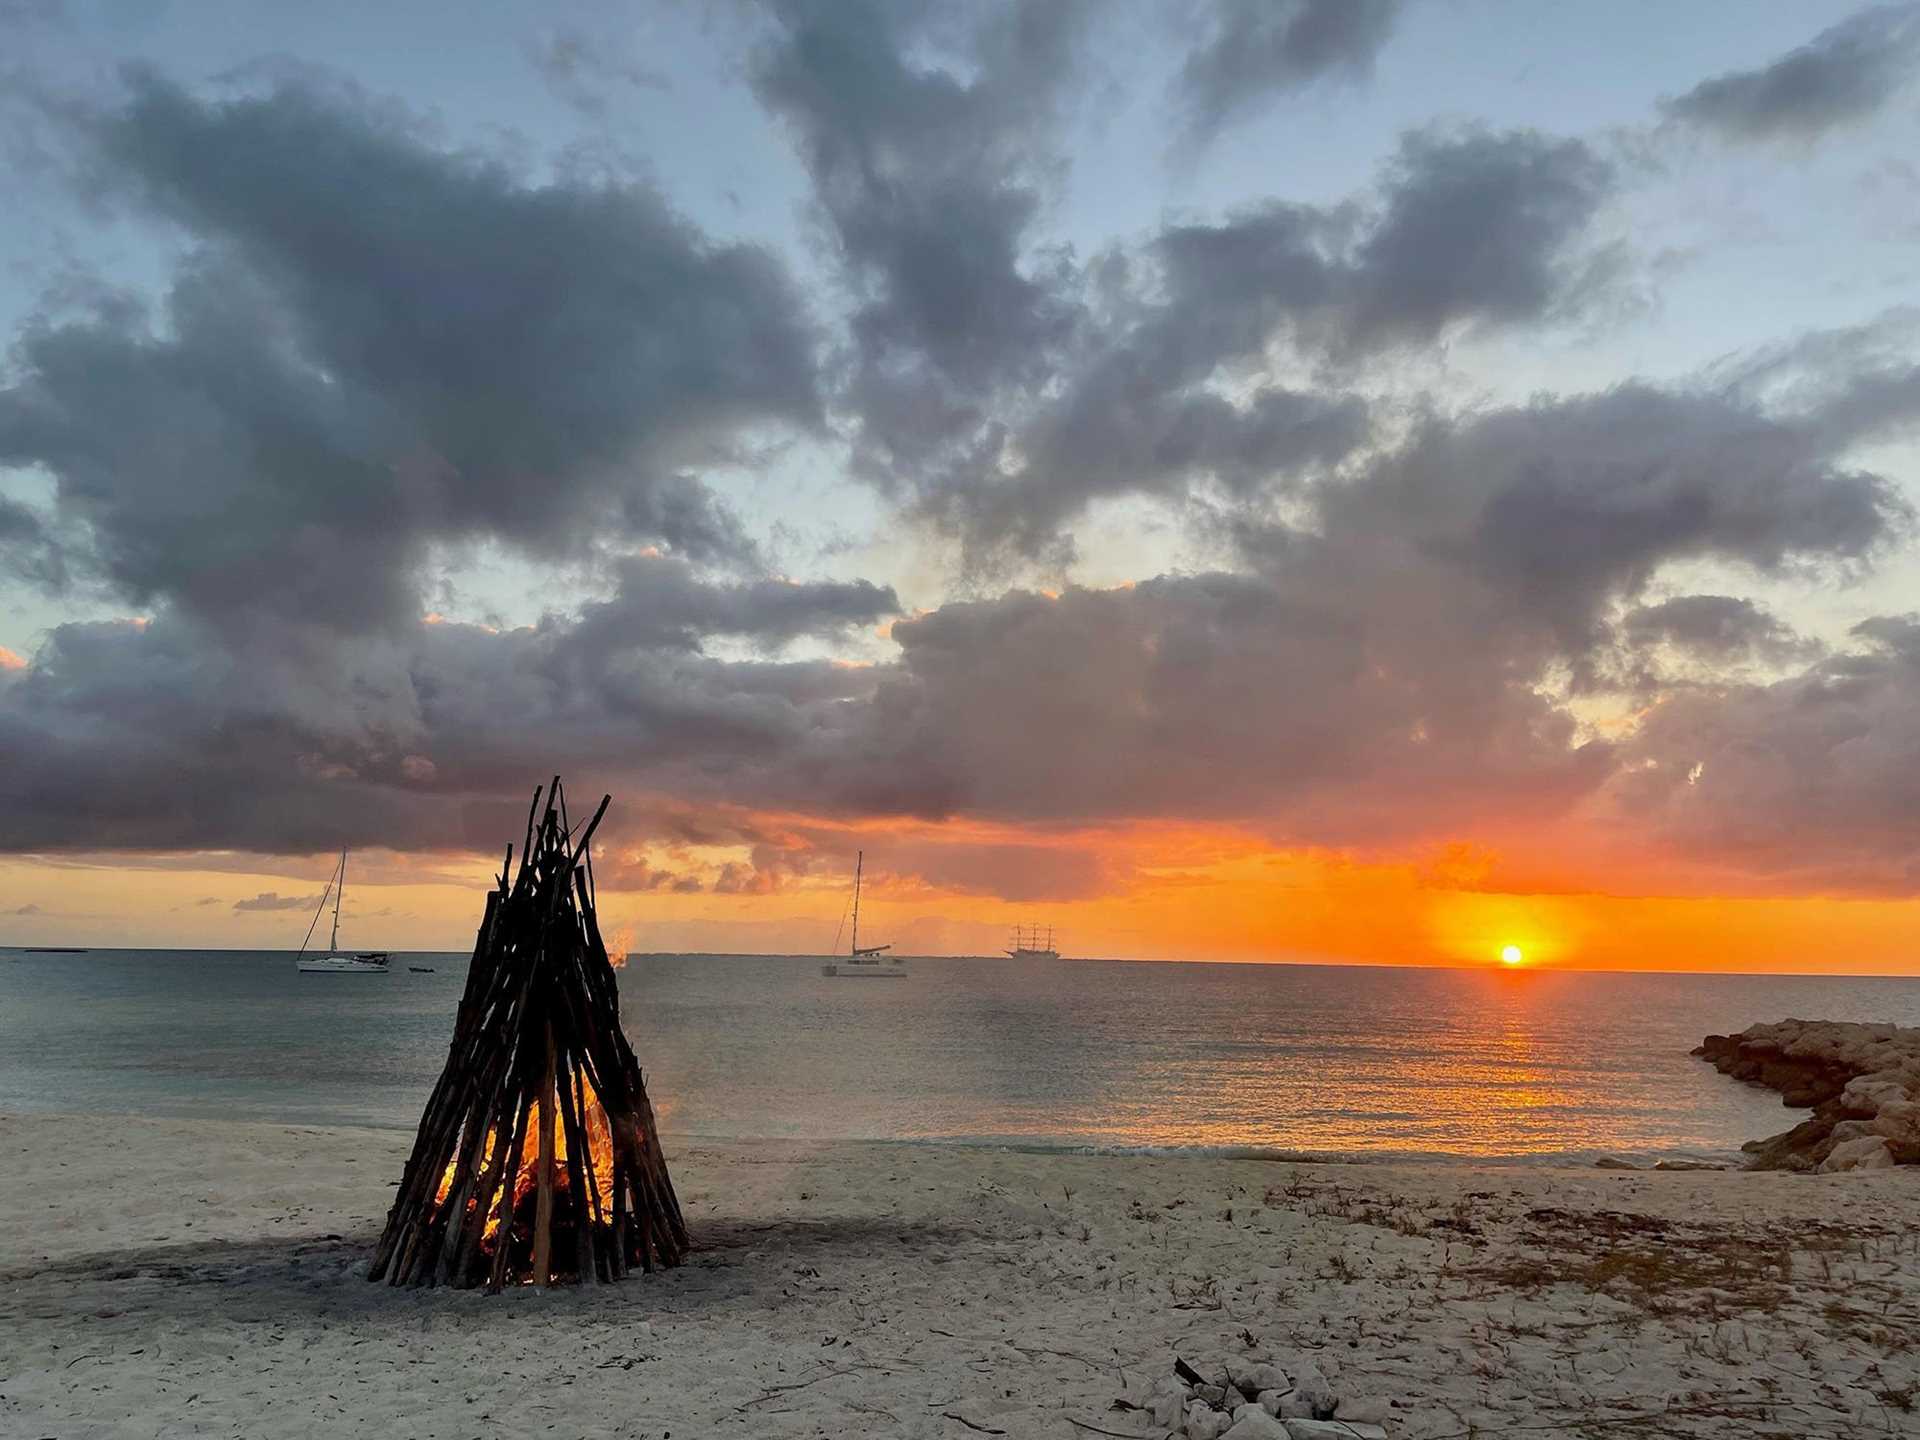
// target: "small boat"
[[421, 969], [1028, 945], [862, 962], [364, 962]]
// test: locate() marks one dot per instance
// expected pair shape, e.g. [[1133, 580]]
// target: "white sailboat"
[[365, 962], [862, 962]]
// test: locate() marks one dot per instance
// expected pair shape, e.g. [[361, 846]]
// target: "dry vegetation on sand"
[[197, 1279]]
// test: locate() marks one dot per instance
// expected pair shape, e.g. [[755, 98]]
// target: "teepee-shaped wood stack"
[[537, 1159]]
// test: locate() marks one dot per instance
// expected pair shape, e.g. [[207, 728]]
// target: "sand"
[[166, 1278]]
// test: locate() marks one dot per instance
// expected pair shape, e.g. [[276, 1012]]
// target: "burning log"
[[537, 1159]]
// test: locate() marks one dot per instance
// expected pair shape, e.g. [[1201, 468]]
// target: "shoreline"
[[206, 1278], [1573, 1160]]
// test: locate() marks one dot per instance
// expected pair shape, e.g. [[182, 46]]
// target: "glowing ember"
[[527, 1178]]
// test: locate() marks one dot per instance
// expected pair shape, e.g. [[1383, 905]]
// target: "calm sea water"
[[1107, 1054]]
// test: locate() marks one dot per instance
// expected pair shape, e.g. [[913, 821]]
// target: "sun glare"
[[1511, 955]]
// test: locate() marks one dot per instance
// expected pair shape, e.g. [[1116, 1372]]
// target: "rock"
[[1250, 1422], [1687, 1165], [1295, 1406], [1312, 1387], [1169, 1410], [1333, 1430], [1869, 1152], [1269, 1400], [1261, 1375], [1613, 1162], [1206, 1423], [1850, 1075], [1364, 1409]]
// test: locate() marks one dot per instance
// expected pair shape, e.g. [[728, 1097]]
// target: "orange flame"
[[599, 1162], [618, 947]]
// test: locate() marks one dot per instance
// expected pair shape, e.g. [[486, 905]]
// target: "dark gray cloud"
[[1808, 783], [1372, 678], [1716, 628], [1565, 505], [1001, 388], [1843, 75], [379, 344], [664, 603], [28, 548], [1469, 230], [1128, 428], [1251, 52], [332, 390], [1255, 699], [173, 735], [927, 140]]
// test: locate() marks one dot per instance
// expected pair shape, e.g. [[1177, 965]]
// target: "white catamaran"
[[365, 962], [862, 962]]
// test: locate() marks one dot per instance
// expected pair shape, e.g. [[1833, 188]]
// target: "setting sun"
[[1511, 955]]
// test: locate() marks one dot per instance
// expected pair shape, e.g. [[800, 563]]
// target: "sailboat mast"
[[335, 943], [859, 862]]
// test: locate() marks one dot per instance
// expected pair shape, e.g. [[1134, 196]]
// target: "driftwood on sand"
[[537, 1158]]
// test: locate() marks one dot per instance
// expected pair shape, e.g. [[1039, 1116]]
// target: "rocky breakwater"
[[1862, 1083]]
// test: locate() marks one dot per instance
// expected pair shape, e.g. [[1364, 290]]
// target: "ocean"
[[1282, 1059]]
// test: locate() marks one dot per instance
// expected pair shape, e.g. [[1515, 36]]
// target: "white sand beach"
[[163, 1278]]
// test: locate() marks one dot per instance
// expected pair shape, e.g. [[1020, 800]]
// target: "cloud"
[[1807, 783], [1468, 230], [663, 602], [1002, 388], [1255, 51], [579, 66], [1718, 628], [271, 900], [1375, 673], [1840, 77], [456, 355], [1408, 595], [1565, 504], [929, 150], [28, 548]]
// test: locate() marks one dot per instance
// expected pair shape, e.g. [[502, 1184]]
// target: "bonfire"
[[537, 1160]]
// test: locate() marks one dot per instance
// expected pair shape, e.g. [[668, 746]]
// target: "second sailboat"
[[862, 962]]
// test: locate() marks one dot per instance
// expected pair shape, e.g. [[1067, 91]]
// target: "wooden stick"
[[543, 1175]]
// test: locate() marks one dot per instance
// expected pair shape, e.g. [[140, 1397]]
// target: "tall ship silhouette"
[[1030, 942]]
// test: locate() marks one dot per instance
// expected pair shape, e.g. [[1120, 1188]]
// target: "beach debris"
[[1862, 1083], [537, 1159], [1261, 1397]]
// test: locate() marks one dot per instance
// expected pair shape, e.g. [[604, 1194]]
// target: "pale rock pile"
[[1266, 1398], [1862, 1082]]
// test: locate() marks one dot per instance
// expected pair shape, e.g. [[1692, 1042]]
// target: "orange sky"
[[1174, 893]]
